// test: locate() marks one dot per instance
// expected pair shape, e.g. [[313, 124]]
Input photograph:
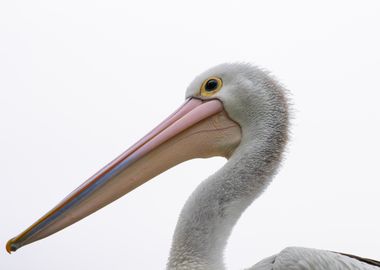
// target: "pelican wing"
[[365, 260], [298, 258]]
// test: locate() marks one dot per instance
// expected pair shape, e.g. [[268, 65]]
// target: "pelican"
[[236, 111]]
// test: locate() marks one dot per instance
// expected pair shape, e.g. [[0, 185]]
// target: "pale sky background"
[[80, 81]]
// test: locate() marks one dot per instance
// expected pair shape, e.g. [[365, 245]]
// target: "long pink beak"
[[197, 129]]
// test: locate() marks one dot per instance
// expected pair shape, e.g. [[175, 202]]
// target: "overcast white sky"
[[80, 81]]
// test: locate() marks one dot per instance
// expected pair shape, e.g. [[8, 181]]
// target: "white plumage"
[[258, 103], [297, 258]]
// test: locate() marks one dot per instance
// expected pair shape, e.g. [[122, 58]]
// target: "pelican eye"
[[211, 86]]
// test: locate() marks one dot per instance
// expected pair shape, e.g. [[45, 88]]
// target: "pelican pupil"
[[211, 85]]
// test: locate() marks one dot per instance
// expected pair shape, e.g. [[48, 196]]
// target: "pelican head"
[[232, 110], [250, 96]]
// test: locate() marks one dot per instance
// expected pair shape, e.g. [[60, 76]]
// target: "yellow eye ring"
[[211, 86]]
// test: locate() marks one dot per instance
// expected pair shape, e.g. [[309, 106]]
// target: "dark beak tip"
[[11, 246]]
